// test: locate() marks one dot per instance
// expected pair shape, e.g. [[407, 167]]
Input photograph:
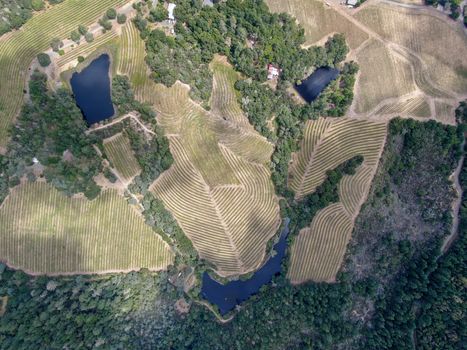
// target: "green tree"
[[37, 5], [82, 29], [111, 13], [56, 44], [89, 37], [121, 18], [44, 59], [75, 36]]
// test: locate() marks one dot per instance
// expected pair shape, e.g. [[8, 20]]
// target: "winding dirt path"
[[455, 205], [133, 115]]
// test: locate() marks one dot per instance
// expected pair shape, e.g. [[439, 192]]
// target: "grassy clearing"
[[442, 48], [319, 21], [43, 231], [382, 76], [233, 210], [120, 154], [19, 49], [318, 251]]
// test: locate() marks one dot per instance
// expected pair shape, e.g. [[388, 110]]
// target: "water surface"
[[227, 296], [91, 88], [312, 86]]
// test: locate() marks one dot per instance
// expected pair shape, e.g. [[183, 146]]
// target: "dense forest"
[[14, 13]]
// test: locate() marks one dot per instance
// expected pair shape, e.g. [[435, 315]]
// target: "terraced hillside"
[[218, 191], [131, 63], [43, 231], [318, 250], [411, 59], [19, 49], [121, 156]]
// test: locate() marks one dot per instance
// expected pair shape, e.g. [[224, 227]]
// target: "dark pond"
[[312, 86], [227, 296], [91, 88]]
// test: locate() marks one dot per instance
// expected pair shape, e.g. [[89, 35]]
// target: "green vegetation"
[[14, 13], [111, 13], [44, 59], [56, 44], [397, 235], [153, 155], [48, 129], [301, 212], [245, 31], [441, 318], [121, 18]]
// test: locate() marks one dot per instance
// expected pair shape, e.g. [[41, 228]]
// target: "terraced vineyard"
[[84, 49], [318, 250], [118, 150], [221, 196], [131, 63], [43, 231], [19, 49]]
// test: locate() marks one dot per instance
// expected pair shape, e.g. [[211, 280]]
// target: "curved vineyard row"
[[328, 144], [44, 232], [19, 49], [220, 194], [317, 252], [120, 154]]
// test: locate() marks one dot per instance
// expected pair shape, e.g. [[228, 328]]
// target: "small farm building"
[[273, 71], [351, 3]]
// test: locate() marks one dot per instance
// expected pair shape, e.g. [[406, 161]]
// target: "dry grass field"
[[318, 250], [382, 76], [118, 150], [44, 232], [219, 188], [19, 49], [319, 21], [442, 48]]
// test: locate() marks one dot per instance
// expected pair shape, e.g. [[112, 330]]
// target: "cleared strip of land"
[[44, 232]]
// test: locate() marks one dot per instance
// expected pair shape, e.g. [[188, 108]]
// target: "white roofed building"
[[171, 9]]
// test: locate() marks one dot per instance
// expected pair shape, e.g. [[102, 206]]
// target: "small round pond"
[[91, 88], [227, 296], [312, 86]]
